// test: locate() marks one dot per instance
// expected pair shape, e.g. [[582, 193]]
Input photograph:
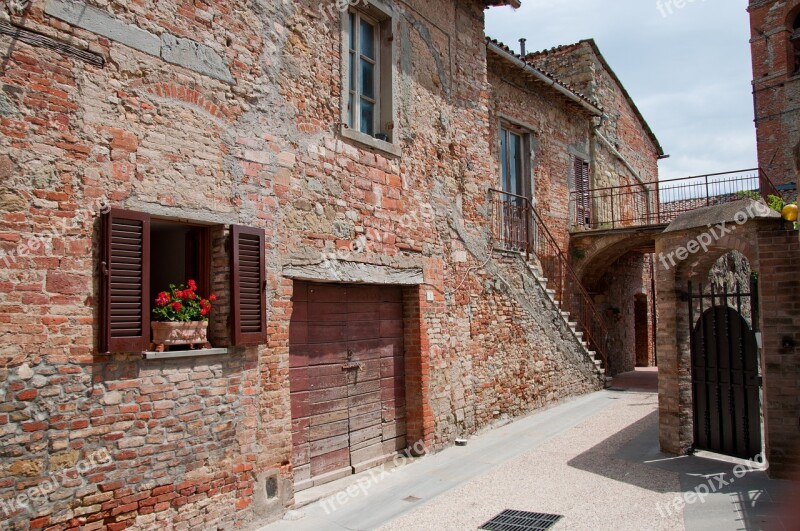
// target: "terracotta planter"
[[193, 333]]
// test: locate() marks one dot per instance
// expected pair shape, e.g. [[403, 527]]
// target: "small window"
[[367, 104], [141, 256]]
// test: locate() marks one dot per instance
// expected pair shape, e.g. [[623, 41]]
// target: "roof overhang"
[[502, 52]]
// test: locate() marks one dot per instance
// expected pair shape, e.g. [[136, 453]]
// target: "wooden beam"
[[43, 41]]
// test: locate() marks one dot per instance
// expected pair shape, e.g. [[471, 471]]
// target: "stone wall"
[[615, 295], [223, 114], [776, 88]]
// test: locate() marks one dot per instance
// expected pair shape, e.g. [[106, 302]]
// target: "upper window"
[[367, 99], [515, 161], [363, 105]]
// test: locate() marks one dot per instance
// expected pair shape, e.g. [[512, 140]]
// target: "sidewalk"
[[594, 460]]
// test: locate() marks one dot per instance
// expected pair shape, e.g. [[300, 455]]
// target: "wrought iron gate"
[[725, 371]]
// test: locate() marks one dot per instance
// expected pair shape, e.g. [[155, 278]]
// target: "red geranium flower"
[[192, 285], [162, 299], [212, 297], [176, 306]]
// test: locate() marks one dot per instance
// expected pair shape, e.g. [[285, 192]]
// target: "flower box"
[[169, 333]]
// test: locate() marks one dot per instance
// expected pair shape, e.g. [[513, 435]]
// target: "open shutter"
[[582, 203], [125, 284], [248, 286]]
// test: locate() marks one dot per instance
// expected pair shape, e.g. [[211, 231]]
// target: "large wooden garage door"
[[347, 379]]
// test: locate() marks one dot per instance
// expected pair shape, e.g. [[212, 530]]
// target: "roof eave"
[[500, 51]]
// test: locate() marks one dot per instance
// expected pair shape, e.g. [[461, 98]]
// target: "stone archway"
[[616, 269], [773, 252]]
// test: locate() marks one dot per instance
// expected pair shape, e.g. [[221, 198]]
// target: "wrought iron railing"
[[516, 226], [660, 202]]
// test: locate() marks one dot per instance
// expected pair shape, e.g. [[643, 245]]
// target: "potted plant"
[[181, 317]]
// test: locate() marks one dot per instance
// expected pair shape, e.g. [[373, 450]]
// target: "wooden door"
[[347, 379]]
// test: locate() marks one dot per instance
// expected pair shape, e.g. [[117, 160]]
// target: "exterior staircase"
[[573, 325], [516, 226]]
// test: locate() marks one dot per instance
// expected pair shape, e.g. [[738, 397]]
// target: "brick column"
[[672, 338], [779, 283]]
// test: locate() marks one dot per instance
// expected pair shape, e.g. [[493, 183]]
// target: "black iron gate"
[[725, 371]]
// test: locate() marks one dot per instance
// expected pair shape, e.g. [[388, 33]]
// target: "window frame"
[[127, 252], [385, 19], [354, 58], [794, 46], [526, 168]]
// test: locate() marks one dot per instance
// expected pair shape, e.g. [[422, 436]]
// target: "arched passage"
[[773, 252], [616, 269]]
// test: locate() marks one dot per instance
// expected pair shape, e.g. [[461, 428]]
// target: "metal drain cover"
[[510, 520]]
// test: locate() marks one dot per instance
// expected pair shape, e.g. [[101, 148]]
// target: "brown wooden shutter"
[[248, 286], [125, 284], [582, 203]]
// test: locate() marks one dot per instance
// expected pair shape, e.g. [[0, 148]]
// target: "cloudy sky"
[[688, 70]]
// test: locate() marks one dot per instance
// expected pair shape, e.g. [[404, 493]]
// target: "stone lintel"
[[354, 273]]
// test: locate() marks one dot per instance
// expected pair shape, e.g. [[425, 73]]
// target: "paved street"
[[595, 460]]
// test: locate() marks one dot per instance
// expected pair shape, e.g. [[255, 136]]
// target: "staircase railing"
[[517, 226]]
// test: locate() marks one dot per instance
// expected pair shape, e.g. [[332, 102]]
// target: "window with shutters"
[[142, 256], [367, 96], [581, 184]]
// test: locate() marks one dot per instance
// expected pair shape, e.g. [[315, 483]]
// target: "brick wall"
[[242, 132], [776, 88], [779, 252], [772, 250]]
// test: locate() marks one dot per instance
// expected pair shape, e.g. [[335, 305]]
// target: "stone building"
[[326, 173], [624, 152], [775, 45]]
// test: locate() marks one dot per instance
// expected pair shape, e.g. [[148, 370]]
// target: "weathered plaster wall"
[[225, 113]]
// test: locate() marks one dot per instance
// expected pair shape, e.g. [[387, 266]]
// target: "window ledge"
[[370, 142], [184, 353]]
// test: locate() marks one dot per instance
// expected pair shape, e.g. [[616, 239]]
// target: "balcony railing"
[[516, 226], [660, 202]]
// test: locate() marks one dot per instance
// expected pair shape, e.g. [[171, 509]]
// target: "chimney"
[[522, 47]]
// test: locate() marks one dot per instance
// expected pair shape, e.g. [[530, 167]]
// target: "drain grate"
[[510, 520]]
